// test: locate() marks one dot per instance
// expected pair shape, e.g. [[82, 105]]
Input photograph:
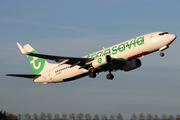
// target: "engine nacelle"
[[100, 61], [130, 65]]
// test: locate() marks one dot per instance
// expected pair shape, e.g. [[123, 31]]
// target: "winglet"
[[22, 49]]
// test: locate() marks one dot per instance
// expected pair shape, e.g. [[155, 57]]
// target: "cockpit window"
[[163, 33]]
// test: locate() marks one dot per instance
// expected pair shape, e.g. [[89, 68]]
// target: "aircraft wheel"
[[92, 74], [161, 54], [109, 76]]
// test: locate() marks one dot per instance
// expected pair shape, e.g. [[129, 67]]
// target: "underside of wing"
[[24, 75]]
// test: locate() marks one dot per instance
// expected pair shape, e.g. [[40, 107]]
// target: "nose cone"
[[171, 37]]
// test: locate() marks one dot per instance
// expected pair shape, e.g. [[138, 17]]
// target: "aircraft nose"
[[172, 37]]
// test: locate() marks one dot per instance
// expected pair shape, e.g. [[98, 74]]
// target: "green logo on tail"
[[37, 64]]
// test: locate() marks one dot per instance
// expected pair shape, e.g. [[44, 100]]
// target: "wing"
[[24, 75], [83, 62]]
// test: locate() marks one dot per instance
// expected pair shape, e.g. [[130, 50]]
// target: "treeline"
[[5, 116]]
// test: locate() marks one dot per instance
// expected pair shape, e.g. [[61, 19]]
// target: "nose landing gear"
[[161, 49], [109, 76], [162, 54]]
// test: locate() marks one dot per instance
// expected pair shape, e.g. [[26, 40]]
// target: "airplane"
[[123, 56]]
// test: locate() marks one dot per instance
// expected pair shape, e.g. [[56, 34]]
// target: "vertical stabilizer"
[[38, 65]]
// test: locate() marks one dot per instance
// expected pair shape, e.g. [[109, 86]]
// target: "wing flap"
[[24, 75]]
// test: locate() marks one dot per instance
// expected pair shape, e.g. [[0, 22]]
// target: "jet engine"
[[130, 65], [100, 61]]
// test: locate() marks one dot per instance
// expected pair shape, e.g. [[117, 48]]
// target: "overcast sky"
[[80, 27]]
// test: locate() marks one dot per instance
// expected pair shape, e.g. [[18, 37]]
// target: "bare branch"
[[119, 116], [72, 116], [104, 117], [134, 117], [88, 117], [35, 116], [96, 117], [64, 116], [112, 117]]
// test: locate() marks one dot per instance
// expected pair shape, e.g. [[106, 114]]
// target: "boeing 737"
[[122, 56]]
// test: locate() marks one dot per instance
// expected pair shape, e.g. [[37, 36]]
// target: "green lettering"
[[129, 45], [134, 42], [93, 55], [101, 54], [121, 47], [140, 40], [88, 56], [109, 51], [114, 50]]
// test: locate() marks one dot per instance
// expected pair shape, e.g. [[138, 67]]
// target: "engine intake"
[[130, 65], [101, 61]]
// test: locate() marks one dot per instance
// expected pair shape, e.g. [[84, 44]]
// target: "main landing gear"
[[109, 76], [92, 74]]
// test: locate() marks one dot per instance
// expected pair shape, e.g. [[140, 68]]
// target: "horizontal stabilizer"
[[24, 75]]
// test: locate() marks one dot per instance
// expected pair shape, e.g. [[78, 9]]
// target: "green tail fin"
[[38, 65]]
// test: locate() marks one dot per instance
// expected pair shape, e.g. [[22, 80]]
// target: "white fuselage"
[[127, 50]]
